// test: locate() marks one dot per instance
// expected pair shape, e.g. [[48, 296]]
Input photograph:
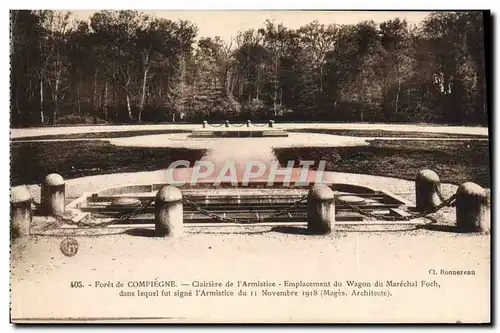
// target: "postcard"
[[279, 166]]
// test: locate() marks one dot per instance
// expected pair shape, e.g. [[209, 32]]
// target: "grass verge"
[[32, 161], [455, 162], [387, 134], [99, 135]]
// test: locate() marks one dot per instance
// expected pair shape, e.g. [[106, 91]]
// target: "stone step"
[[275, 133], [243, 133], [201, 134]]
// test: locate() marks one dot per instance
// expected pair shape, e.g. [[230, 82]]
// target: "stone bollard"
[[204, 124], [20, 209], [426, 186], [53, 195], [168, 212], [271, 123], [472, 211], [226, 123], [320, 209], [249, 123]]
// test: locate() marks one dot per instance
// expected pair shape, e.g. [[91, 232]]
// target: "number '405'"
[[76, 284]]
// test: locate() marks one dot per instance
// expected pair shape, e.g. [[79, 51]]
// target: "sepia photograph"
[[250, 166]]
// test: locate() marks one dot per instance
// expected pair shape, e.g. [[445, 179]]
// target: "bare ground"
[[41, 276]]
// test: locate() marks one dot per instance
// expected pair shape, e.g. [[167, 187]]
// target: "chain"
[[36, 204], [439, 194], [286, 210], [262, 125], [445, 203], [61, 220], [213, 125], [223, 218], [258, 219], [236, 125]]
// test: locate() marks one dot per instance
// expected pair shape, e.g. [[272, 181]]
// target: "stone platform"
[[238, 133], [240, 203]]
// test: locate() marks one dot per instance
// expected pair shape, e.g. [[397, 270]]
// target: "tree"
[[454, 73], [56, 65], [26, 59], [122, 66], [274, 40], [397, 62], [317, 40]]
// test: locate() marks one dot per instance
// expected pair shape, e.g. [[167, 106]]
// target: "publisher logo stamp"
[[69, 247]]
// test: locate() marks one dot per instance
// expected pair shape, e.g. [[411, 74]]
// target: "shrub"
[[74, 119]]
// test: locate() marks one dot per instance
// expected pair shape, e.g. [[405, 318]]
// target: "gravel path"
[[38, 131], [41, 276], [237, 145]]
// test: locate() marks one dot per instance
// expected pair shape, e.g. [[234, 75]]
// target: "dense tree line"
[[125, 66]]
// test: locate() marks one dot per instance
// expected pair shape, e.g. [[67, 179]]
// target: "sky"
[[226, 24]]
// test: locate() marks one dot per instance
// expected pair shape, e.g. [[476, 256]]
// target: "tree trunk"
[[480, 84], [229, 92], [114, 89], [56, 100], [17, 101], [446, 84], [274, 102], [144, 83], [78, 108], [129, 109], [105, 107], [143, 95], [321, 78], [275, 96], [257, 83], [275, 87], [42, 118], [95, 90], [397, 97], [240, 86]]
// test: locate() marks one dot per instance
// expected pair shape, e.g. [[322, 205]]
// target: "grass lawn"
[[99, 135], [387, 134], [32, 161], [455, 162]]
